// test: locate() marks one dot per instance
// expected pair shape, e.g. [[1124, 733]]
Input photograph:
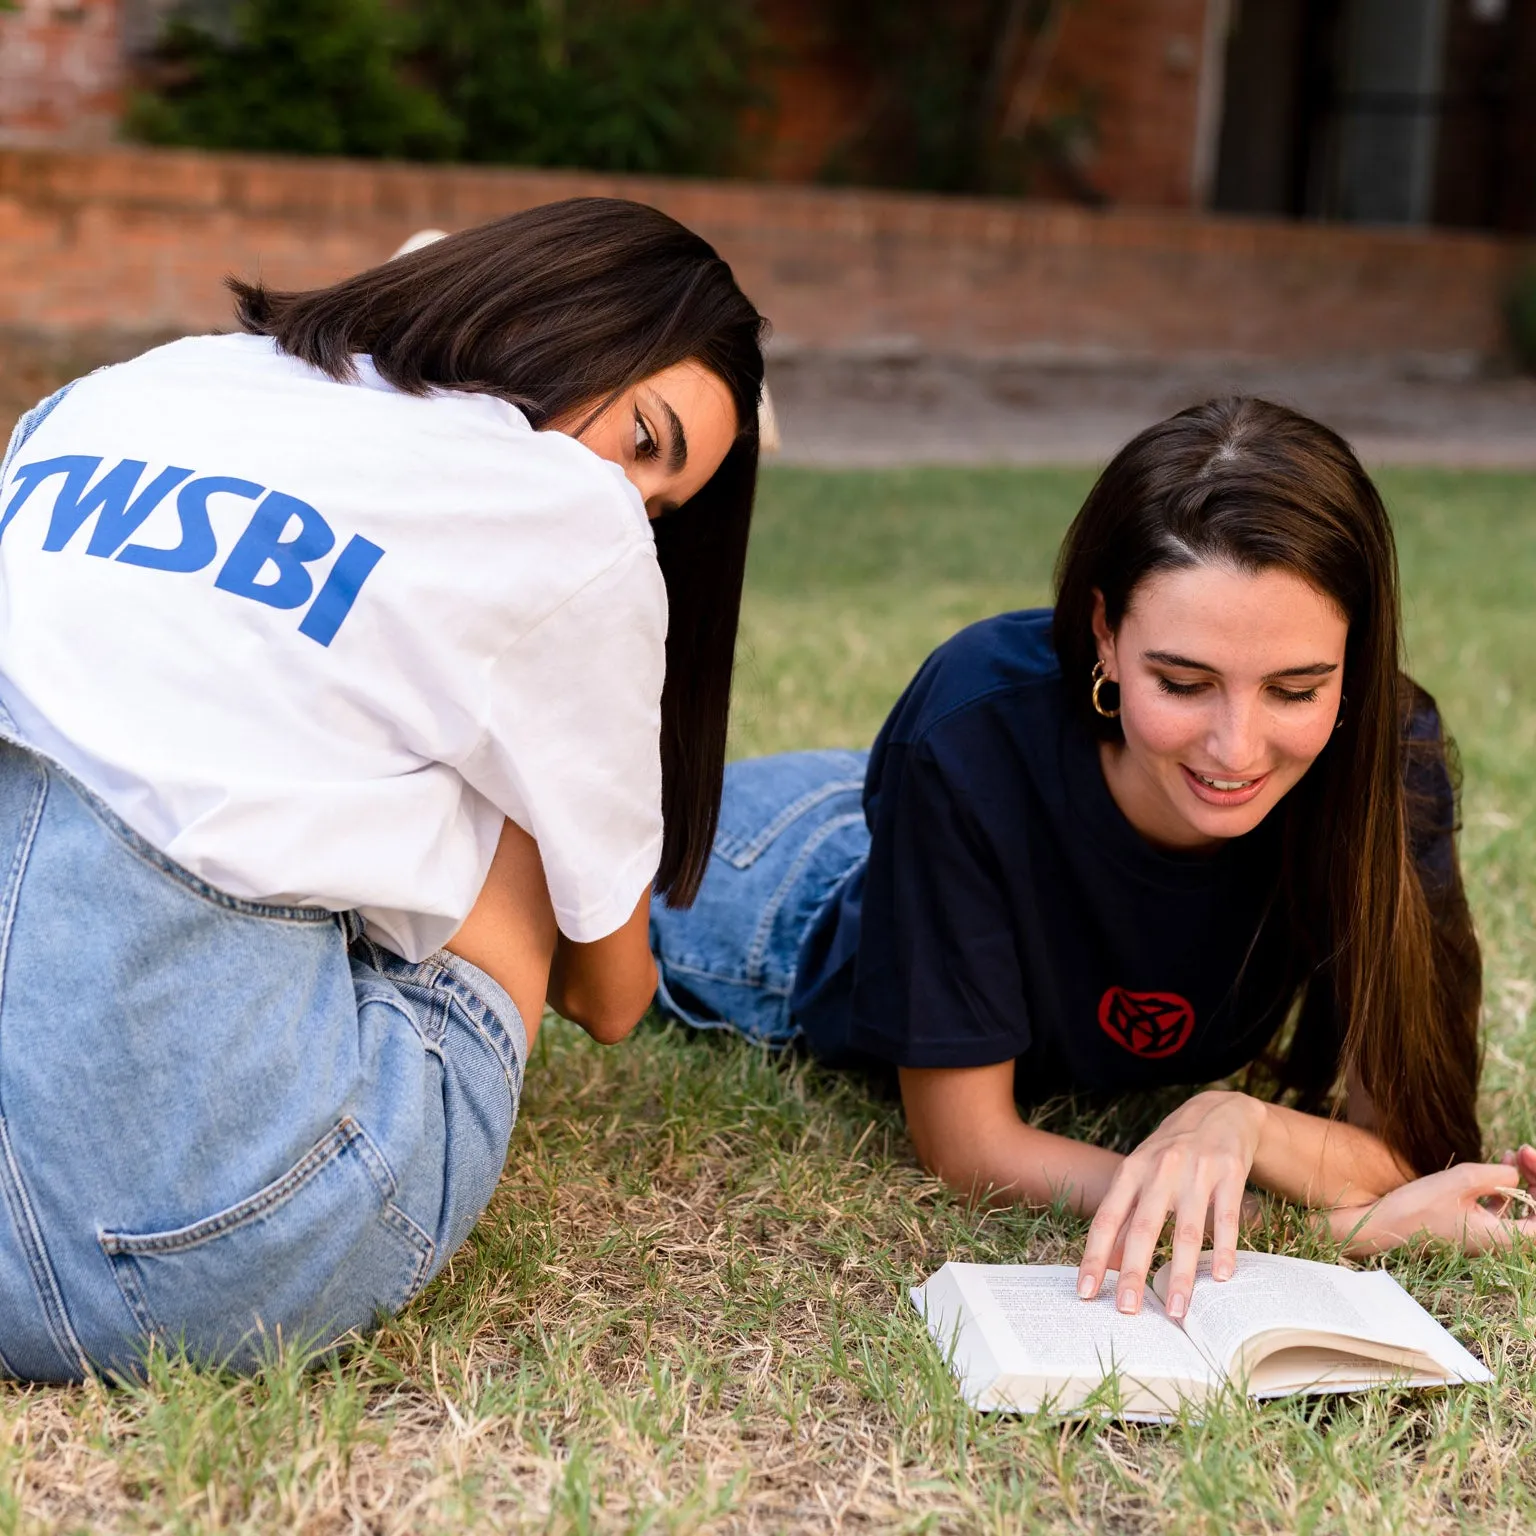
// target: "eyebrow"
[[677, 454], [1173, 659]]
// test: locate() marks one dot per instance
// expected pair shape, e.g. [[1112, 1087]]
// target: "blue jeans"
[[791, 831], [221, 1125]]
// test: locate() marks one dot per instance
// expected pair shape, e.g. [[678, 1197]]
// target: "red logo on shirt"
[[1149, 1024]]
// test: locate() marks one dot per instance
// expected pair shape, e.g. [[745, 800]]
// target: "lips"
[[1224, 784], [1220, 790]]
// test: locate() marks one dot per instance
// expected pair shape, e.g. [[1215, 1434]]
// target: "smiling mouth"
[[1217, 790], [1224, 784]]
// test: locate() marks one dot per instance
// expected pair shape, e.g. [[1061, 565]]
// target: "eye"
[[645, 441], [1179, 690], [1289, 696]]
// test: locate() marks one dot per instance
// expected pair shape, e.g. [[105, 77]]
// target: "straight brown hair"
[[558, 310], [1385, 962]]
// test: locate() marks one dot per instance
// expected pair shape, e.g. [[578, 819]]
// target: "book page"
[[1266, 1291], [1270, 1293], [1048, 1330]]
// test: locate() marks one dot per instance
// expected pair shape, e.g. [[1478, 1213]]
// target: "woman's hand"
[[1448, 1205], [1194, 1166]]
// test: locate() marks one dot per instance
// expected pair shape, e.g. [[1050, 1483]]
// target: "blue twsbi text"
[[269, 563]]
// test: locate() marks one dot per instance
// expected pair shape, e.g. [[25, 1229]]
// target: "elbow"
[[608, 1007], [607, 1016], [608, 1026]]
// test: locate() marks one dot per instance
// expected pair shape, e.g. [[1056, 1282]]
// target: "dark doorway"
[[1381, 111]]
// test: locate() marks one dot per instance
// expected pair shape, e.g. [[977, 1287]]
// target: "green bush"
[[319, 77], [658, 86], [661, 86], [1522, 316]]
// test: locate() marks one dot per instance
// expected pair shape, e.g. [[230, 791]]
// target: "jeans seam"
[[426, 1249], [677, 968], [757, 951], [477, 1012], [346, 1134], [744, 852], [146, 853], [23, 1214]]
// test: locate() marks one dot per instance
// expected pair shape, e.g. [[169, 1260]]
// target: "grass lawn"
[[685, 1309]]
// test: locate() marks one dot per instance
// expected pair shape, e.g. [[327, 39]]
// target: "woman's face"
[[669, 433], [1230, 686]]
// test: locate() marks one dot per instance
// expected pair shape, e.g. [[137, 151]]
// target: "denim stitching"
[[345, 1135], [426, 1250], [30, 422], [60, 1329], [736, 979], [147, 853], [744, 852], [485, 1020], [130, 1286], [757, 953]]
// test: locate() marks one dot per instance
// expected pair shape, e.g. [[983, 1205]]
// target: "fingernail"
[[1176, 1304], [1127, 1301], [1221, 1269], [1086, 1287]]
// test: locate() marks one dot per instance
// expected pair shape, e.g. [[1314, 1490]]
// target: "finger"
[[1484, 1232], [1251, 1211], [1142, 1233], [1188, 1240], [1525, 1161], [1479, 1179], [1104, 1232], [1228, 1202]]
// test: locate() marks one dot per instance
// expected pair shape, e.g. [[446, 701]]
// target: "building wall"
[[1144, 62], [1150, 70], [139, 241], [61, 71]]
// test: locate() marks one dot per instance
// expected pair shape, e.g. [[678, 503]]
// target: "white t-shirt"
[[314, 640]]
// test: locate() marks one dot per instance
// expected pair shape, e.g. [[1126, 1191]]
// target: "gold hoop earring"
[[1100, 677]]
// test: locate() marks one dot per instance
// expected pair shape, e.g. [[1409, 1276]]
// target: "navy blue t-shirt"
[[1008, 910]]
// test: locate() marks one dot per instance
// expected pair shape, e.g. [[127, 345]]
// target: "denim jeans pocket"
[[314, 1254], [765, 797]]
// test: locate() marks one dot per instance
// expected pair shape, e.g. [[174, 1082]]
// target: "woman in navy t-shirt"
[[1123, 844]]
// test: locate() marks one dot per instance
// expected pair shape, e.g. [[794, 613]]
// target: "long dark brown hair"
[[1384, 960], [558, 310]]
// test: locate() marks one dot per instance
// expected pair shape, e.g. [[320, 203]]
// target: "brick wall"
[[137, 241], [1142, 61], [1151, 70], [61, 71]]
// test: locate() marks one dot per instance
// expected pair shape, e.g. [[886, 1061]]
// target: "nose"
[[1237, 739]]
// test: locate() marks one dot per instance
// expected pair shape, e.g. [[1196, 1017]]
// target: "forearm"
[[1320, 1162], [1020, 1165]]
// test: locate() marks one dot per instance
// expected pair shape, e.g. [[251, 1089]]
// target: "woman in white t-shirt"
[[360, 674]]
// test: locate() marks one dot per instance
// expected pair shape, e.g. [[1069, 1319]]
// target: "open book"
[[1021, 1338]]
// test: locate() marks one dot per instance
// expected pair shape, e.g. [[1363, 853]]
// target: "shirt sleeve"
[[572, 747], [938, 980]]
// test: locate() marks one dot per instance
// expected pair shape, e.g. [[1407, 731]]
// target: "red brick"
[[135, 239]]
